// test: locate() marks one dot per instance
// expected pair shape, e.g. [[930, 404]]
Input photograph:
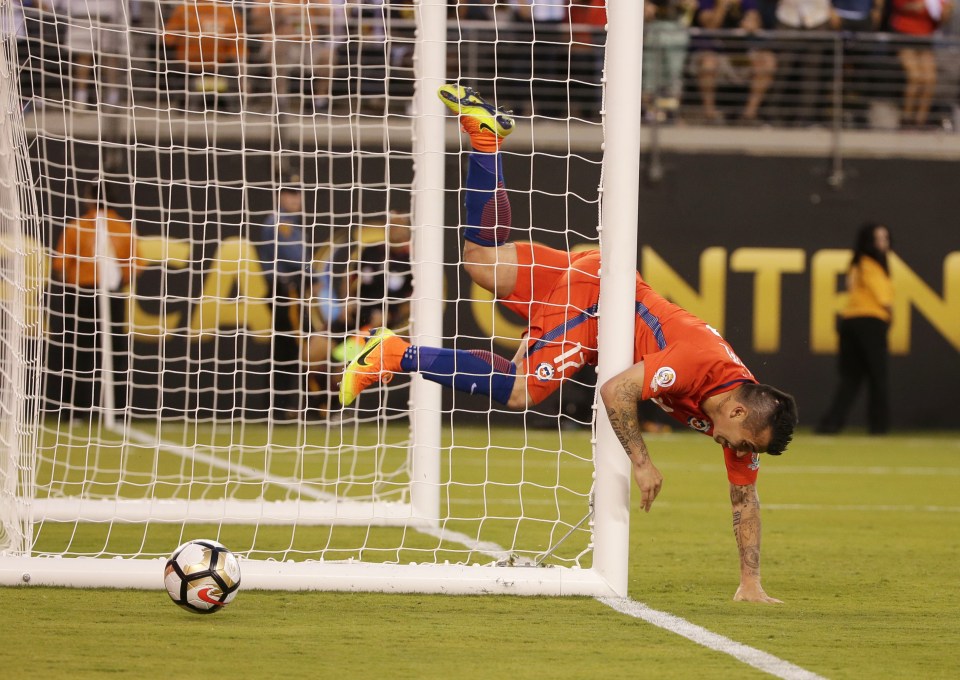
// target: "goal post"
[[618, 247], [21, 292], [428, 241], [257, 206]]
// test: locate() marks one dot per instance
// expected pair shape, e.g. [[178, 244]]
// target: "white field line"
[[752, 657], [484, 547], [863, 508], [771, 467], [495, 551], [822, 507], [813, 507], [846, 441], [197, 455], [902, 441], [674, 624], [748, 655]]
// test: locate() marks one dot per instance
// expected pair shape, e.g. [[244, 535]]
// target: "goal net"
[[205, 208]]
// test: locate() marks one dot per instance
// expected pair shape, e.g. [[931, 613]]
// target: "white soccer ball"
[[202, 576]]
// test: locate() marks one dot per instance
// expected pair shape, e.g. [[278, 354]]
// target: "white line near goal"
[[752, 657]]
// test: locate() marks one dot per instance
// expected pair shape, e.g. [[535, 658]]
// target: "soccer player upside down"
[[682, 364]]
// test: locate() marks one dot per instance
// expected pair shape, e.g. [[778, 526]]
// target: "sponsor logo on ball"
[[211, 595]]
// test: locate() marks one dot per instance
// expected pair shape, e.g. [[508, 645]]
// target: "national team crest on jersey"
[[699, 424], [544, 371], [754, 461], [664, 377]]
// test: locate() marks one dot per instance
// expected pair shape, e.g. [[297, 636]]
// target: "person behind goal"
[[681, 363]]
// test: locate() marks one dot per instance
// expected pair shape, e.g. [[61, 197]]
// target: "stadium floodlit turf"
[[860, 541]]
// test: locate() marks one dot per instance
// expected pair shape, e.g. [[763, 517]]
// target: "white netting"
[[224, 189], [22, 274]]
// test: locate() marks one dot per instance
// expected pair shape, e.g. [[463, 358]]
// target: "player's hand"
[[753, 592], [649, 480]]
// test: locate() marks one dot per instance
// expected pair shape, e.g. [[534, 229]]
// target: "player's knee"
[[480, 263], [476, 271], [476, 254]]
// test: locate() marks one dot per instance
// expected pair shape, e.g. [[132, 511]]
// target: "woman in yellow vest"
[[863, 333]]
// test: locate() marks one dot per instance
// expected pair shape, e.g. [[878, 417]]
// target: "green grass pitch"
[[861, 540]]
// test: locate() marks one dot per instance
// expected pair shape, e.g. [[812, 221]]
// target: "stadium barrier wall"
[[696, 224]]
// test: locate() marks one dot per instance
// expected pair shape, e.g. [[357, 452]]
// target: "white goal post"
[[188, 389]]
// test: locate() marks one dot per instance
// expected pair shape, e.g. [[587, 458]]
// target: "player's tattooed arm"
[[621, 396], [746, 530], [746, 527], [625, 420]]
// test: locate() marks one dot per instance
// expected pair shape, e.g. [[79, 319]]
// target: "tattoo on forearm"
[[746, 525], [624, 420]]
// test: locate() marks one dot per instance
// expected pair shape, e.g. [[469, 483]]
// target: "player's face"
[[291, 201], [737, 437], [881, 238]]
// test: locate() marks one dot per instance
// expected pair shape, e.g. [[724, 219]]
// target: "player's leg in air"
[[490, 260]]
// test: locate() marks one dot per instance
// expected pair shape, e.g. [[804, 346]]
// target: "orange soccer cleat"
[[487, 126], [376, 363]]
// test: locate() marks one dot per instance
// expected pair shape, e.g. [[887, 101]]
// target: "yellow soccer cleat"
[[375, 364], [477, 117]]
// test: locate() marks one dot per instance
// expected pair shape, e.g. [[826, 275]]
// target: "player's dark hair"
[[866, 245], [770, 408]]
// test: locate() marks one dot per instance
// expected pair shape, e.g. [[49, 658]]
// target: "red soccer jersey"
[[686, 361], [558, 292]]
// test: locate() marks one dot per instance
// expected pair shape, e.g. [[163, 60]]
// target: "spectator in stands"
[[262, 83], [383, 281], [859, 15], [665, 44], [299, 38], [299, 343], [918, 19], [97, 41], [587, 21], [715, 56], [375, 288], [475, 10], [947, 54], [94, 256], [206, 38], [863, 333], [860, 57], [401, 79], [366, 55], [804, 60], [24, 22], [540, 57]]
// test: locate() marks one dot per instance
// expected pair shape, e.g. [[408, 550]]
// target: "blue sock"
[[474, 372], [487, 205]]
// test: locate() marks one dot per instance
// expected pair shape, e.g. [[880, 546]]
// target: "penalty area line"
[[768, 663]]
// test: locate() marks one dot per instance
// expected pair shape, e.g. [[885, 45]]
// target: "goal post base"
[[445, 579]]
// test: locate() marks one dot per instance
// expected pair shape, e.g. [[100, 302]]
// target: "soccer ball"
[[202, 576]]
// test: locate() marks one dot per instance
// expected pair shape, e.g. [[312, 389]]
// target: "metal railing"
[[832, 80], [854, 80]]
